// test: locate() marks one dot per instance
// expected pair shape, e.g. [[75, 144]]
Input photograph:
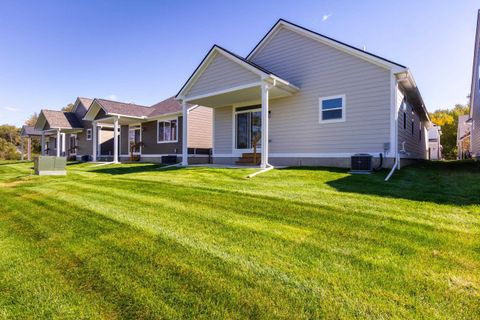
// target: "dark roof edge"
[[324, 36]]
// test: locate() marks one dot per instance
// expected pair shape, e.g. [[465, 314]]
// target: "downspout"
[[396, 164]]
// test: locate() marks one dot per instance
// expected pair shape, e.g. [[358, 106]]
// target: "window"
[[167, 130], [404, 120], [332, 109], [89, 134]]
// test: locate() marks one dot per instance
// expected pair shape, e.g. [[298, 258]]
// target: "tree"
[[448, 120], [32, 120], [9, 140], [68, 108]]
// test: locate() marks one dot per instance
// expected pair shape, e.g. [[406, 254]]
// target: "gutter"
[[396, 165]]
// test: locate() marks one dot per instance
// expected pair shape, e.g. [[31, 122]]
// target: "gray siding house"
[[66, 134], [302, 98], [475, 97], [153, 133]]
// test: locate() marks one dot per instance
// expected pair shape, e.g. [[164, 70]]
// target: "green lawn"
[[132, 241]]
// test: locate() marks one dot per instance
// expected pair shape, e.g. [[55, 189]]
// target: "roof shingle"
[[60, 119]]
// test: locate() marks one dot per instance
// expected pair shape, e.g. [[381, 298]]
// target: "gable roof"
[[87, 102], [326, 40], [30, 131], [216, 49], [168, 106], [59, 119], [123, 108]]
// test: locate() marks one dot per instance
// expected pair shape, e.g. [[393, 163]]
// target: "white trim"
[[146, 155], [343, 108], [232, 89], [393, 117], [304, 155], [206, 62], [89, 132], [331, 43], [176, 130]]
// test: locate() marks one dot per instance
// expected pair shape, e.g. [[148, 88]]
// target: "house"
[[153, 133], [434, 143], [475, 96], [463, 137], [67, 134], [28, 132], [302, 98]]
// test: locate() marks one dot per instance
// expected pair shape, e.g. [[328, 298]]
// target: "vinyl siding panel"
[[149, 138], [221, 74], [222, 130], [416, 148], [321, 71], [84, 146], [200, 127]]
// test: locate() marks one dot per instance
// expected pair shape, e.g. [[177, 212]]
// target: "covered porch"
[[225, 79], [112, 115]]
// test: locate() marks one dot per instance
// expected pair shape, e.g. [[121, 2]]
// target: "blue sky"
[[143, 51]]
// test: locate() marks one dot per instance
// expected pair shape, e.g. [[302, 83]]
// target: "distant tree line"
[[448, 120]]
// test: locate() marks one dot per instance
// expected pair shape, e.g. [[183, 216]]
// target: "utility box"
[[50, 165]]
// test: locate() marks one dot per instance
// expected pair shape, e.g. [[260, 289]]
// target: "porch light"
[[269, 114]]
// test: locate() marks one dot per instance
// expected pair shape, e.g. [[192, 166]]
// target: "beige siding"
[[221, 74], [222, 130], [320, 71], [415, 146], [200, 128]]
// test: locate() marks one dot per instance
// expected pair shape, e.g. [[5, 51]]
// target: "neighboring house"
[[475, 96], [463, 137], [308, 100], [153, 133], [28, 132], [434, 143], [66, 134]]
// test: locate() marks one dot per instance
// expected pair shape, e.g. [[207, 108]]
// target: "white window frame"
[[343, 108], [89, 133], [176, 130]]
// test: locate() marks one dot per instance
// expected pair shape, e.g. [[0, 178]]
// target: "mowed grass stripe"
[[290, 243]]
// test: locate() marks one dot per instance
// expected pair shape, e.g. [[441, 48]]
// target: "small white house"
[[434, 144]]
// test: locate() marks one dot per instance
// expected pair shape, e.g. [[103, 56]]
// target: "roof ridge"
[[139, 105], [324, 36]]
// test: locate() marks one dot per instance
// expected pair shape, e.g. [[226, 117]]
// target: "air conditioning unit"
[[361, 163]]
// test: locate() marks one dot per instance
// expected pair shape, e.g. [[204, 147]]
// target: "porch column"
[[58, 142], [43, 143], [115, 140], [94, 141], [264, 156], [29, 148], [185, 134], [21, 146], [64, 151]]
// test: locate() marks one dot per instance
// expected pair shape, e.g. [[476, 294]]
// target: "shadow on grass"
[[127, 168], [441, 182]]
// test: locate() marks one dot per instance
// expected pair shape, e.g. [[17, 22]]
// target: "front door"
[[248, 127], [134, 139]]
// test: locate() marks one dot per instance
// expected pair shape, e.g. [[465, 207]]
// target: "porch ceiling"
[[241, 95], [121, 120]]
